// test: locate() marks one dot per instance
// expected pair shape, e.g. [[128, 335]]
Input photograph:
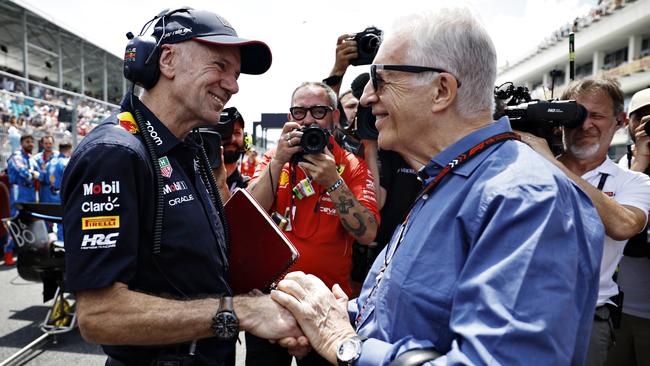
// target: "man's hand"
[[641, 146], [289, 142], [538, 144], [321, 168], [346, 50], [262, 317], [321, 313]]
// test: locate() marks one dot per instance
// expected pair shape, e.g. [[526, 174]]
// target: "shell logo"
[[284, 178]]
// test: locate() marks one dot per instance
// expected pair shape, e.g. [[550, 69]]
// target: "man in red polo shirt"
[[328, 198]]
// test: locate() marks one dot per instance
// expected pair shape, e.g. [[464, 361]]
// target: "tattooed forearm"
[[344, 205], [358, 231], [371, 217]]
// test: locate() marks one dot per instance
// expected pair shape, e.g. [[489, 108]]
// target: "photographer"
[[232, 152], [346, 50], [145, 239], [632, 339], [621, 196], [328, 198]]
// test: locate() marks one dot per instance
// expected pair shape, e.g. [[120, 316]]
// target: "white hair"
[[454, 40]]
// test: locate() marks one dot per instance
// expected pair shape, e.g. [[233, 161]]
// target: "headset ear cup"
[[136, 67]]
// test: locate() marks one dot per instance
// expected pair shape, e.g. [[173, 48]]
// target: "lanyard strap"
[[454, 164], [458, 161]]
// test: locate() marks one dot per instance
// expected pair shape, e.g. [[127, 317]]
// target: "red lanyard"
[[455, 163]]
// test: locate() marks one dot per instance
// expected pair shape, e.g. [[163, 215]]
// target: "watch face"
[[349, 350], [226, 326]]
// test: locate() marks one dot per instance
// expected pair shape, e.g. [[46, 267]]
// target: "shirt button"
[[425, 196]]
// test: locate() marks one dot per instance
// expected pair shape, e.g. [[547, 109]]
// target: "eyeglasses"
[[376, 80], [317, 111]]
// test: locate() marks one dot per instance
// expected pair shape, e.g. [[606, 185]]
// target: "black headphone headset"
[[143, 51]]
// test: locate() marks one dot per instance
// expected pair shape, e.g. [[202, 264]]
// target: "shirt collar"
[[607, 167], [163, 139], [451, 152]]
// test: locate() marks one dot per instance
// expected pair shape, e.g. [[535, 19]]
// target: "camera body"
[[214, 136], [540, 118], [368, 42], [313, 141]]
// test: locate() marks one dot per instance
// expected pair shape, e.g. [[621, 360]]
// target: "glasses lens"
[[318, 111], [298, 113], [373, 77]]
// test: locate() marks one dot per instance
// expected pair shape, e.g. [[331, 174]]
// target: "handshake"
[[302, 314]]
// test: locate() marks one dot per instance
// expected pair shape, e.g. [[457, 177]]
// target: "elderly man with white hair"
[[494, 263]]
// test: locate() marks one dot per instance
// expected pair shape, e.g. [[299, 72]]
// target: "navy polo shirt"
[[108, 196]]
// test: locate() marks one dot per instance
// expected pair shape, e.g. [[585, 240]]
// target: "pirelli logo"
[[100, 222]]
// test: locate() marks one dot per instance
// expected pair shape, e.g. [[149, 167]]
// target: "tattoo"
[[371, 218], [355, 231], [344, 205]]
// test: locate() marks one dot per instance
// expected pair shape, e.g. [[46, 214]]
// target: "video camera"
[[214, 136], [541, 118], [367, 45], [313, 141]]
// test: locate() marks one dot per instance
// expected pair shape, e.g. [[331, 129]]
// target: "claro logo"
[[102, 188]]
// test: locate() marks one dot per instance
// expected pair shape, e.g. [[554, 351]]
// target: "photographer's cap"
[[639, 100], [207, 27]]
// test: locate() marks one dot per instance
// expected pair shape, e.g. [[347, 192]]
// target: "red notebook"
[[260, 254]]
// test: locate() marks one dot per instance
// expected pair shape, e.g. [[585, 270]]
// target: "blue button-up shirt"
[[497, 265]]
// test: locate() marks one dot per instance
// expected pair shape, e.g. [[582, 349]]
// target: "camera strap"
[[601, 182]]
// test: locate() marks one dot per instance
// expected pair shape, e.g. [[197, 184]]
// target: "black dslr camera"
[[313, 141], [213, 136], [541, 118], [367, 45]]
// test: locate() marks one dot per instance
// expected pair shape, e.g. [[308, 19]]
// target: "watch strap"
[[359, 339]]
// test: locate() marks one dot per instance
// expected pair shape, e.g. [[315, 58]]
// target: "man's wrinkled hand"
[[322, 315]]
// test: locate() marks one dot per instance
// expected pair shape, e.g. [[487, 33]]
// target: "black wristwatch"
[[224, 323], [333, 80], [350, 350]]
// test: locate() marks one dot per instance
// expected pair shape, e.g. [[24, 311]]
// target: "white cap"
[[639, 100]]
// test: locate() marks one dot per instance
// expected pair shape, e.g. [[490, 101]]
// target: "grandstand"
[[612, 40], [52, 80]]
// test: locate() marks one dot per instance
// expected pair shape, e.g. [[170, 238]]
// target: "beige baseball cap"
[[639, 100]]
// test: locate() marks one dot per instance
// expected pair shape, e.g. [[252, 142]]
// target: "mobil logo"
[[102, 187]]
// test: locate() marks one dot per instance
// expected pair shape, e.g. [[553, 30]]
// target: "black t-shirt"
[[108, 198], [402, 186], [236, 180]]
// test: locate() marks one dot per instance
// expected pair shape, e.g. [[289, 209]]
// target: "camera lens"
[[369, 43], [313, 140]]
